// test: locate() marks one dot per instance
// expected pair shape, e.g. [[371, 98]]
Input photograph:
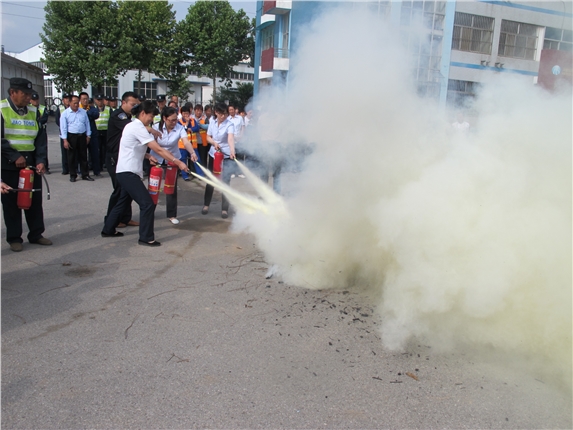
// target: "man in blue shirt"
[[76, 132]]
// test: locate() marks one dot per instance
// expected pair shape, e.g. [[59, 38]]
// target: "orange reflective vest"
[[203, 133]]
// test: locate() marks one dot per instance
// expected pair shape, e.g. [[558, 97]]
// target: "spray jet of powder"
[[467, 240]]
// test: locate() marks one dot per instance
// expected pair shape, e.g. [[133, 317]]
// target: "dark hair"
[[72, 96], [84, 93], [127, 95], [221, 108], [172, 101], [147, 107], [185, 108], [198, 106], [166, 113], [207, 107]]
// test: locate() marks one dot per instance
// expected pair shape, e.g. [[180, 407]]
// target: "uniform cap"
[[21, 84], [99, 96], [35, 96], [161, 98], [141, 97]]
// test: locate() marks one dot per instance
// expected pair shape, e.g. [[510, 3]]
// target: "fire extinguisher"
[[155, 176], [25, 182], [170, 177], [218, 163]]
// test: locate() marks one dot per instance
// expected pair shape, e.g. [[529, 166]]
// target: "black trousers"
[[229, 167], [13, 214], [78, 152], [111, 164], [133, 188], [65, 169], [102, 135], [204, 154]]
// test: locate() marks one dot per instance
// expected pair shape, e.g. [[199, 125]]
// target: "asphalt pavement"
[[103, 333]]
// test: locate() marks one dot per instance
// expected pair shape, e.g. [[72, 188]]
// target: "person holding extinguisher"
[[172, 134], [221, 136], [129, 173], [24, 143]]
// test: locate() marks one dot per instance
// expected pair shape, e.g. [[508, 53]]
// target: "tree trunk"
[[214, 90], [139, 82]]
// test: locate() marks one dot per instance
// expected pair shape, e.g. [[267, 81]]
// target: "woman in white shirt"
[[129, 172], [221, 136], [171, 131]]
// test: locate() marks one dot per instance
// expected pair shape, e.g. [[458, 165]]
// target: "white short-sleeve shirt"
[[220, 134], [132, 148], [170, 140]]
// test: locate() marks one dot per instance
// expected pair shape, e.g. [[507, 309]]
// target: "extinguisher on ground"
[[155, 176], [218, 163]]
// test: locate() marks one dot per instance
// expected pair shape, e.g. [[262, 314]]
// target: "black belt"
[[76, 134]]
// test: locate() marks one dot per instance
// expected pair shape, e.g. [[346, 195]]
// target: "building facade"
[[149, 85], [14, 68], [465, 41]]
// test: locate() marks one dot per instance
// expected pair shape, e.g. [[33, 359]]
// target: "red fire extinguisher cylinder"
[[154, 187], [25, 181], [218, 163], [170, 178]]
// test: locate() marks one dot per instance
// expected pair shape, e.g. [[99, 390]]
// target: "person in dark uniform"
[[23, 144], [65, 104], [161, 102], [93, 146], [118, 119], [112, 103]]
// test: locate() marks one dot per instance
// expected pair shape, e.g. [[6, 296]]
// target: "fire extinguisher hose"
[[45, 181]]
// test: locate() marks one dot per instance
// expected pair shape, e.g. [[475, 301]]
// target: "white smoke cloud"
[[466, 240]]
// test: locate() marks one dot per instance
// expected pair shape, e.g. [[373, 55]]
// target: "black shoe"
[[98, 175], [154, 243], [224, 215], [115, 234], [87, 178], [65, 173], [48, 172], [72, 179]]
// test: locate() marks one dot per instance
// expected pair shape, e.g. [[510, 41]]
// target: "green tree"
[[214, 38], [239, 96], [80, 43], [177, 83], [147, 45]]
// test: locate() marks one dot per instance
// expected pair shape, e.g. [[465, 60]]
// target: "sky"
[[18, 14]]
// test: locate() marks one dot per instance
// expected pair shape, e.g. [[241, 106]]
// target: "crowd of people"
[[125, 140]]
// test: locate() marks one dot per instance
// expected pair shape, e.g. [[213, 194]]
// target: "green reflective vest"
[[20, 131], [101, 122]]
